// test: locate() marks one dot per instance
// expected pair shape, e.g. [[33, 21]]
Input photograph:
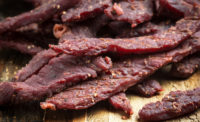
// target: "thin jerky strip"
[[23, 47], [147, 88], [121, 102], [85, 9], [36, 15], [59, 73], [36, 63], [186, 67], [147, 44], [175, 104], [131, 11], [124, 74]]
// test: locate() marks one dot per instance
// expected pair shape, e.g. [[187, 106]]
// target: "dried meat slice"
[[121, 102], [177, 8], [36, 15], [85, 9], [131, 11], [147, 88], [186, 67], [61, 72], [124, 74], [162, 41], [175, 104]]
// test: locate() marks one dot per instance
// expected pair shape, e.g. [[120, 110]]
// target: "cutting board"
[[12, 61]]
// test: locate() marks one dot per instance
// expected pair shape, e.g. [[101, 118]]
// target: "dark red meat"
[[186, 67], [178, 8], [38, 61], [147, 88], [125, 73], [164, 40], [131, 11], [59, 73], [85, 9], [175, 104], [23, 47], [120, 101], [39, 14]]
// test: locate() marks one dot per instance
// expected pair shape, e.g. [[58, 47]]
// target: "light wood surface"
[[11, 62]]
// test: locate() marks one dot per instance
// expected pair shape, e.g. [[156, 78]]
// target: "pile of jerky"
[[87, 51]]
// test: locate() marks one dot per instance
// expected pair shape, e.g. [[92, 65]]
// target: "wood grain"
[[11, 62]]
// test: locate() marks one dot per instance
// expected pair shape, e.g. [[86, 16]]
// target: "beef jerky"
[[121, 102], [23, 47], [147, 44], [124, 74], [36, 15], [147, 88], [131, 11], [38, 61], [177, 8], [186, 67], [85, 9], [175, 104], [59, 73]]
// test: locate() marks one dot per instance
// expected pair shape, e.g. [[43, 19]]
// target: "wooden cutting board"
[[11, 62]]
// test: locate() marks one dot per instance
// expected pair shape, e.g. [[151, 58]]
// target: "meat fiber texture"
[[175, 104], [131, 11], [60, 72], [186, 67], [39, 14], [162, 41], [85, 9], [121, 102], [147, 88], [124, 74]]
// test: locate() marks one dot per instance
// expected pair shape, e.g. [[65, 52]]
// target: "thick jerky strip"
[[121, 102], [124, 74], [36, 15], [147, 44], [186, 67], [85, 9], [177, 8], [175, 104], [131, 11], [23, 47], [147, 88], [38, 61], [59, 73]]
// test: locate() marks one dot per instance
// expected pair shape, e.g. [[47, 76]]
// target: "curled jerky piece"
[[164, 40], [21, 46], [120, 101], [175, 104], [186, 67], [36, 15], [59, 73], [177, 8], [131, 11], [85, 9], [126, 72], [147, 88]]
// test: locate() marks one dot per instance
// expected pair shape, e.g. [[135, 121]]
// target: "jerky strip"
[[37, 15], [131, 11], [85, 9], [147, 44], [124, 74], [59, 73], [186, 67], [23, 47], [175, 104], [121, 102], [147, 88]]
